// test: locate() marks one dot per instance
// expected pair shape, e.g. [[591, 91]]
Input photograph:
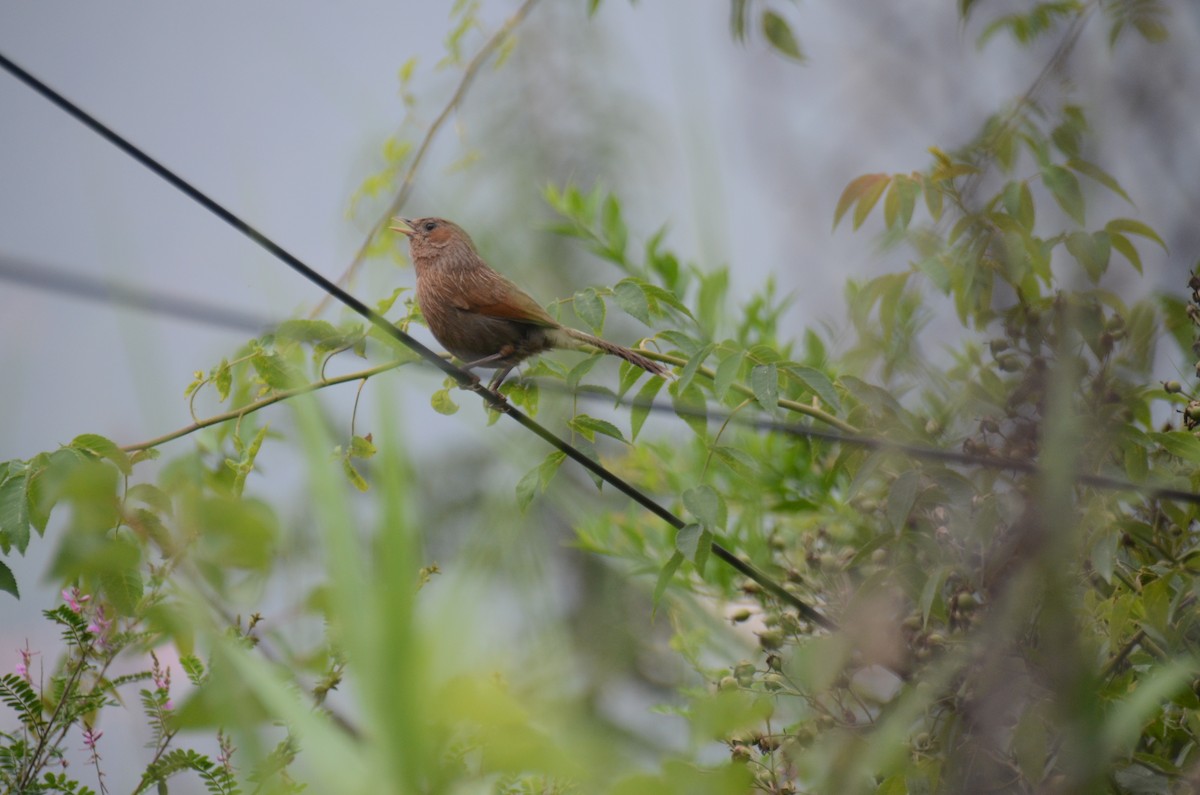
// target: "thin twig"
[[250, 408]]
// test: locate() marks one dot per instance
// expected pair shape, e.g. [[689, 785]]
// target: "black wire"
[[916, 451], [464, 379], [55, 280]]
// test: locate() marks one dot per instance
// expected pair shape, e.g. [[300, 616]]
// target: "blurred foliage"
[[1004, 625]]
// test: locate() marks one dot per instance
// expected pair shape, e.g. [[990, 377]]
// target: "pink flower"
[[75, 600], [90, 737], [26, 661]]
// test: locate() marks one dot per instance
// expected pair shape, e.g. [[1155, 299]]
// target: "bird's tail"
[[575, 336]]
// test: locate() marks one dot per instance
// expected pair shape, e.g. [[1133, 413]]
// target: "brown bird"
[[480, 316]]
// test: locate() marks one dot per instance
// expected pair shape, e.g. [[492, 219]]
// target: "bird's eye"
[[430, 226]]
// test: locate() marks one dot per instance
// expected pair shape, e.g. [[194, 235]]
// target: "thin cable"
[[55, 280], [916, 451], [463, 378]]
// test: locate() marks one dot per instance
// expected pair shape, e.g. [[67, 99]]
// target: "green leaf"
[[361, 447], [151, 495], [932, 591], [632, 300], [308, 331], [273, 370], [223, 380], [706, 504], [694, 362], [1064, 187], [590, 308], [779, 34], [661, 295], [664, 577], [641, 407], [817, 382], [1129, 226], [527, 488], [354, 476], [1100, 175], [1181, 444], [1123, 725], [538, 478], [1018, 202], [689, 405], [1126, 249], [687, 539], [442, 403], [764, 381], [590, 426], [122, 588], [101, 447], [615, 234], [726, 374], [1091, 252], [739, 461], [900, 200], [867, 202], [933, 197], [582, 368], [901, 498], [14, 512], [8, 582]]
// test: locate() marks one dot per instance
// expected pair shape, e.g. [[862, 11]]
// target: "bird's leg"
[[504, 352], [498, 378]]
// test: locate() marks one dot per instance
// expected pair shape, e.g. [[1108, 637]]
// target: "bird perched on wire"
[[480, 316]]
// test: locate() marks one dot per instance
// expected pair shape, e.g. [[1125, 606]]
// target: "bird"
[[480, 316]]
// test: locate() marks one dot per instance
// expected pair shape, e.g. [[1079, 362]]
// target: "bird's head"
[[432, 240]]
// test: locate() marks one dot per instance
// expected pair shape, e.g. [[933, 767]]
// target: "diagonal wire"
[[462, 377]]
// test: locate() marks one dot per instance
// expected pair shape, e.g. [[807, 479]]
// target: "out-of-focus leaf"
[[706, 504], [1129, 226], [780, 36], [855, 191], [442, 403], [1064, 187], [1100, 175], [901, 498], [665, 575], [1091, 252]]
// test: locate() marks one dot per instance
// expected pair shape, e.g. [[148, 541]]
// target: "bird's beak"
[[403, 226]]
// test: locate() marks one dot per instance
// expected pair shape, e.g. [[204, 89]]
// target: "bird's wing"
[[497, 297]]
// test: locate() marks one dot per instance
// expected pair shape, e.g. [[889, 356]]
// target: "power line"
[[90, 288]]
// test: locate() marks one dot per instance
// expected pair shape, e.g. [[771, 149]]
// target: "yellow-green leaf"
[[854, 192]]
